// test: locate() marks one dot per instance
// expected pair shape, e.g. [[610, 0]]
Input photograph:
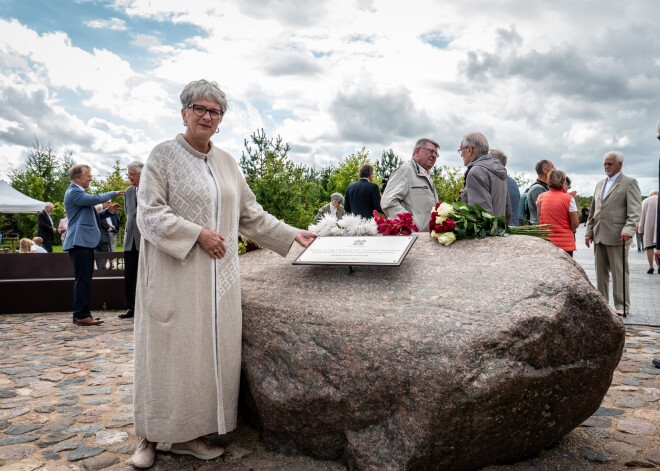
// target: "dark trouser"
[[131, 258], [47, 243], [82, 259], [102, 263]]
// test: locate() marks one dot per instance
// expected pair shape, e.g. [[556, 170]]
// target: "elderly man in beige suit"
[[614, 215]]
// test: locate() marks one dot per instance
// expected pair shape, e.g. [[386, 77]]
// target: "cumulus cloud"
[[366, 115], [290, 12], [565, 81], [114, 24]]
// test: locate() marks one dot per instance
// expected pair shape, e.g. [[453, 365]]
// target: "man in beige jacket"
[[410, 188], [614, 216]]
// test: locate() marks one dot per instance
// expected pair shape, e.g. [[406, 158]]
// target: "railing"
[[44, 282]]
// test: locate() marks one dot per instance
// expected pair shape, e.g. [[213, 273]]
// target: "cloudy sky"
[[563, 80]]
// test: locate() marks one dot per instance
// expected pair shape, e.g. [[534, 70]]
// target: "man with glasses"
[[485, 177], [410, 188]]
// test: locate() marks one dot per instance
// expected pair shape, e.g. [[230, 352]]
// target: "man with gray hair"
[[131, 239], [614, 216], [45, 226], [334, 207], [485, 177], [410, 188], [512, 186]]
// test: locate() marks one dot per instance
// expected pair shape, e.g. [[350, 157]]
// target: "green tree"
[[114, 181], [347, 171], [522, 181], [388, 163], [284, 189], [448, 182], [45, 178]]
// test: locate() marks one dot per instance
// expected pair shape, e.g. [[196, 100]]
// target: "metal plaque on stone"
[[367, 250]]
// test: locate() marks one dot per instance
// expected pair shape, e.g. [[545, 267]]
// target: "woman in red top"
[[559, 209]]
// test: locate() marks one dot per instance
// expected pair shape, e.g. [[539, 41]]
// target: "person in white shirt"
[[37, 247]]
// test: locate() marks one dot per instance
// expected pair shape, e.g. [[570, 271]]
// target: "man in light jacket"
[[615, 211], [485, 177], [410, 188], [132, 239]]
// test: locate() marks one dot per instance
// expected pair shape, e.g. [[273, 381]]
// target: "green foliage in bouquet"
[[474, 222]]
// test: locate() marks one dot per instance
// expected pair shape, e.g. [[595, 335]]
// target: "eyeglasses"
[[200, 111], [459, 150], [431, 151]]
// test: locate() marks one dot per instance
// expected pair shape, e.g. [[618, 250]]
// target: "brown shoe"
[[144, 455], [88, 321], [199, 448]]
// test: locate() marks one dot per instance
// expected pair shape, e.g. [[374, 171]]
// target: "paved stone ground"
[[644, 288], [66, 404]]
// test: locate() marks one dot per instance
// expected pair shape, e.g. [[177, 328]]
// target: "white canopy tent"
[[13, 201]]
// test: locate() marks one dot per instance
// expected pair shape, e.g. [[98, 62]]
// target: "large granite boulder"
[[479, 353]]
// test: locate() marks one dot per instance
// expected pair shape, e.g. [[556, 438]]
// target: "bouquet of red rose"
[[458, 220], [402, 225]]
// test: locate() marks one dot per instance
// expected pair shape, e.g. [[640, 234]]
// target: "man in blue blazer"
[[82, 236], [362, 196]]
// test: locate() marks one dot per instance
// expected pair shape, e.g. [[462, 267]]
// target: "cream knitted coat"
[[188, 306]]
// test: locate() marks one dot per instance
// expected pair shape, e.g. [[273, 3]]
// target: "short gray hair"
[[138, 166], [653, 192], [500, 155], [199, 89], [615, 153], [476, 140], [337, 197], [423, 141]]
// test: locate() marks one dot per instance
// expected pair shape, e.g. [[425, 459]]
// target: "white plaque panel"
[[367, 250]]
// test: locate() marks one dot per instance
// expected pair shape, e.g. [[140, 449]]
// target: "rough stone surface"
[[4, 441], [621, 449], [15, 453], [654, 456], [597, 433], [110, 437], [641, 441], [605, 411], [84, 452], [100, 462], [54, 438], [592, 454], [23, 465], [405, 370], [50, 455], [636, 426], [19, 429]]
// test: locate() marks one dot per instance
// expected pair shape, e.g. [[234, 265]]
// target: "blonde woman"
[[25, 246]]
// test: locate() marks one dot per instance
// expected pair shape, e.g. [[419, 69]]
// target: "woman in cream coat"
[[193, 201]]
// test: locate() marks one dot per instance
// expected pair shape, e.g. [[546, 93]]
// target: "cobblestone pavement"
[[66, 404], [644, 288]]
